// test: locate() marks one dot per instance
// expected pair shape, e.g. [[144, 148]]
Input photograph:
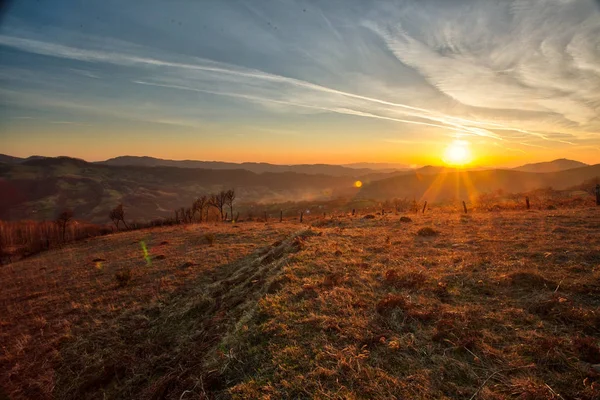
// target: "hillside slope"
[[489, 306]]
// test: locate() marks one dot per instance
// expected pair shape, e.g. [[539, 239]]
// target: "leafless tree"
[[117, 215], [219, 201], [199, 205], [62, 220], [230, 197], [188, 215]]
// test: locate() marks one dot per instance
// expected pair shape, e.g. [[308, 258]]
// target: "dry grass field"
[[488, 305]]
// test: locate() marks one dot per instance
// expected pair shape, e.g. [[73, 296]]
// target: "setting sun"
[[457, 153]]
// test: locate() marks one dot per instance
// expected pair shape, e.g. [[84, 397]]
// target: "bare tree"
[[188, 215], [230, 197], [199, 205], [218, 201], [62, 220], [117, 215]]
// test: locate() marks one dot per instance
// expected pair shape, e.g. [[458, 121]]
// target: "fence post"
[[280, 216], [265, 216], [598, 194], [465, 206], [301, 215], [527, 202], [424, 207]]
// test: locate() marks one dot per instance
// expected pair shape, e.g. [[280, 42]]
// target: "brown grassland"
[[489, 305]]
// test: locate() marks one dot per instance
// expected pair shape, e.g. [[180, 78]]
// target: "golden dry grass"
[[45, 299], [495, 305]]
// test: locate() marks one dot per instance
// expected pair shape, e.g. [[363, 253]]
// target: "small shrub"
[[209, 238], [369, 216], [123, 277], [405, 219], [427, 232]]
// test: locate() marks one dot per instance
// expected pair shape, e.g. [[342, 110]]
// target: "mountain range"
[[353, 169], [37, 187]]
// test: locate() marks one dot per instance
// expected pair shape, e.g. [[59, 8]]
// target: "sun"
[[457, 154]]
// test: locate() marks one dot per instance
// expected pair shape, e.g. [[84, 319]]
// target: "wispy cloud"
[[523, 74]]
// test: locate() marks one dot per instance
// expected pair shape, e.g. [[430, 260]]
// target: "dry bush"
[[405, 219]]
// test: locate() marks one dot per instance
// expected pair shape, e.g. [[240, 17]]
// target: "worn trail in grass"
[[499, 305]]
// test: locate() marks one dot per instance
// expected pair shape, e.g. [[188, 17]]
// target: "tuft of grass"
[[587, 349], [409, 280], [390, 302], [209, 238], [427, 232], [123, 277]]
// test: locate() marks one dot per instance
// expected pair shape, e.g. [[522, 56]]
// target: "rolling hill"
[[36, 189], [562, 164], [450, 184]]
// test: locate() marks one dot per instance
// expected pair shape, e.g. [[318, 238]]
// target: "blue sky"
[[302, 81]]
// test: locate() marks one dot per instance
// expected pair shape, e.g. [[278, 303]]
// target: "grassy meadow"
[[487, 305]]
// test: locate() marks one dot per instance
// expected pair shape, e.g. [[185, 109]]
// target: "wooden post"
[[465, 206], [382, 211], [424, 207], [598, 194], [301, 215], [527, 202], [265, 216], [353, 211], [237, 216], [280, 216]]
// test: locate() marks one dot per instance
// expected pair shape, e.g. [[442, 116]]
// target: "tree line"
[[197, 212]]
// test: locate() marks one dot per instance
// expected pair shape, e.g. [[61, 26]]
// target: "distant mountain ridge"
[[351, 169], [562, 164], [312, 169]]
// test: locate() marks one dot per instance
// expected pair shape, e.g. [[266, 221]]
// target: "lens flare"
[[358, 184], [145, 251]]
